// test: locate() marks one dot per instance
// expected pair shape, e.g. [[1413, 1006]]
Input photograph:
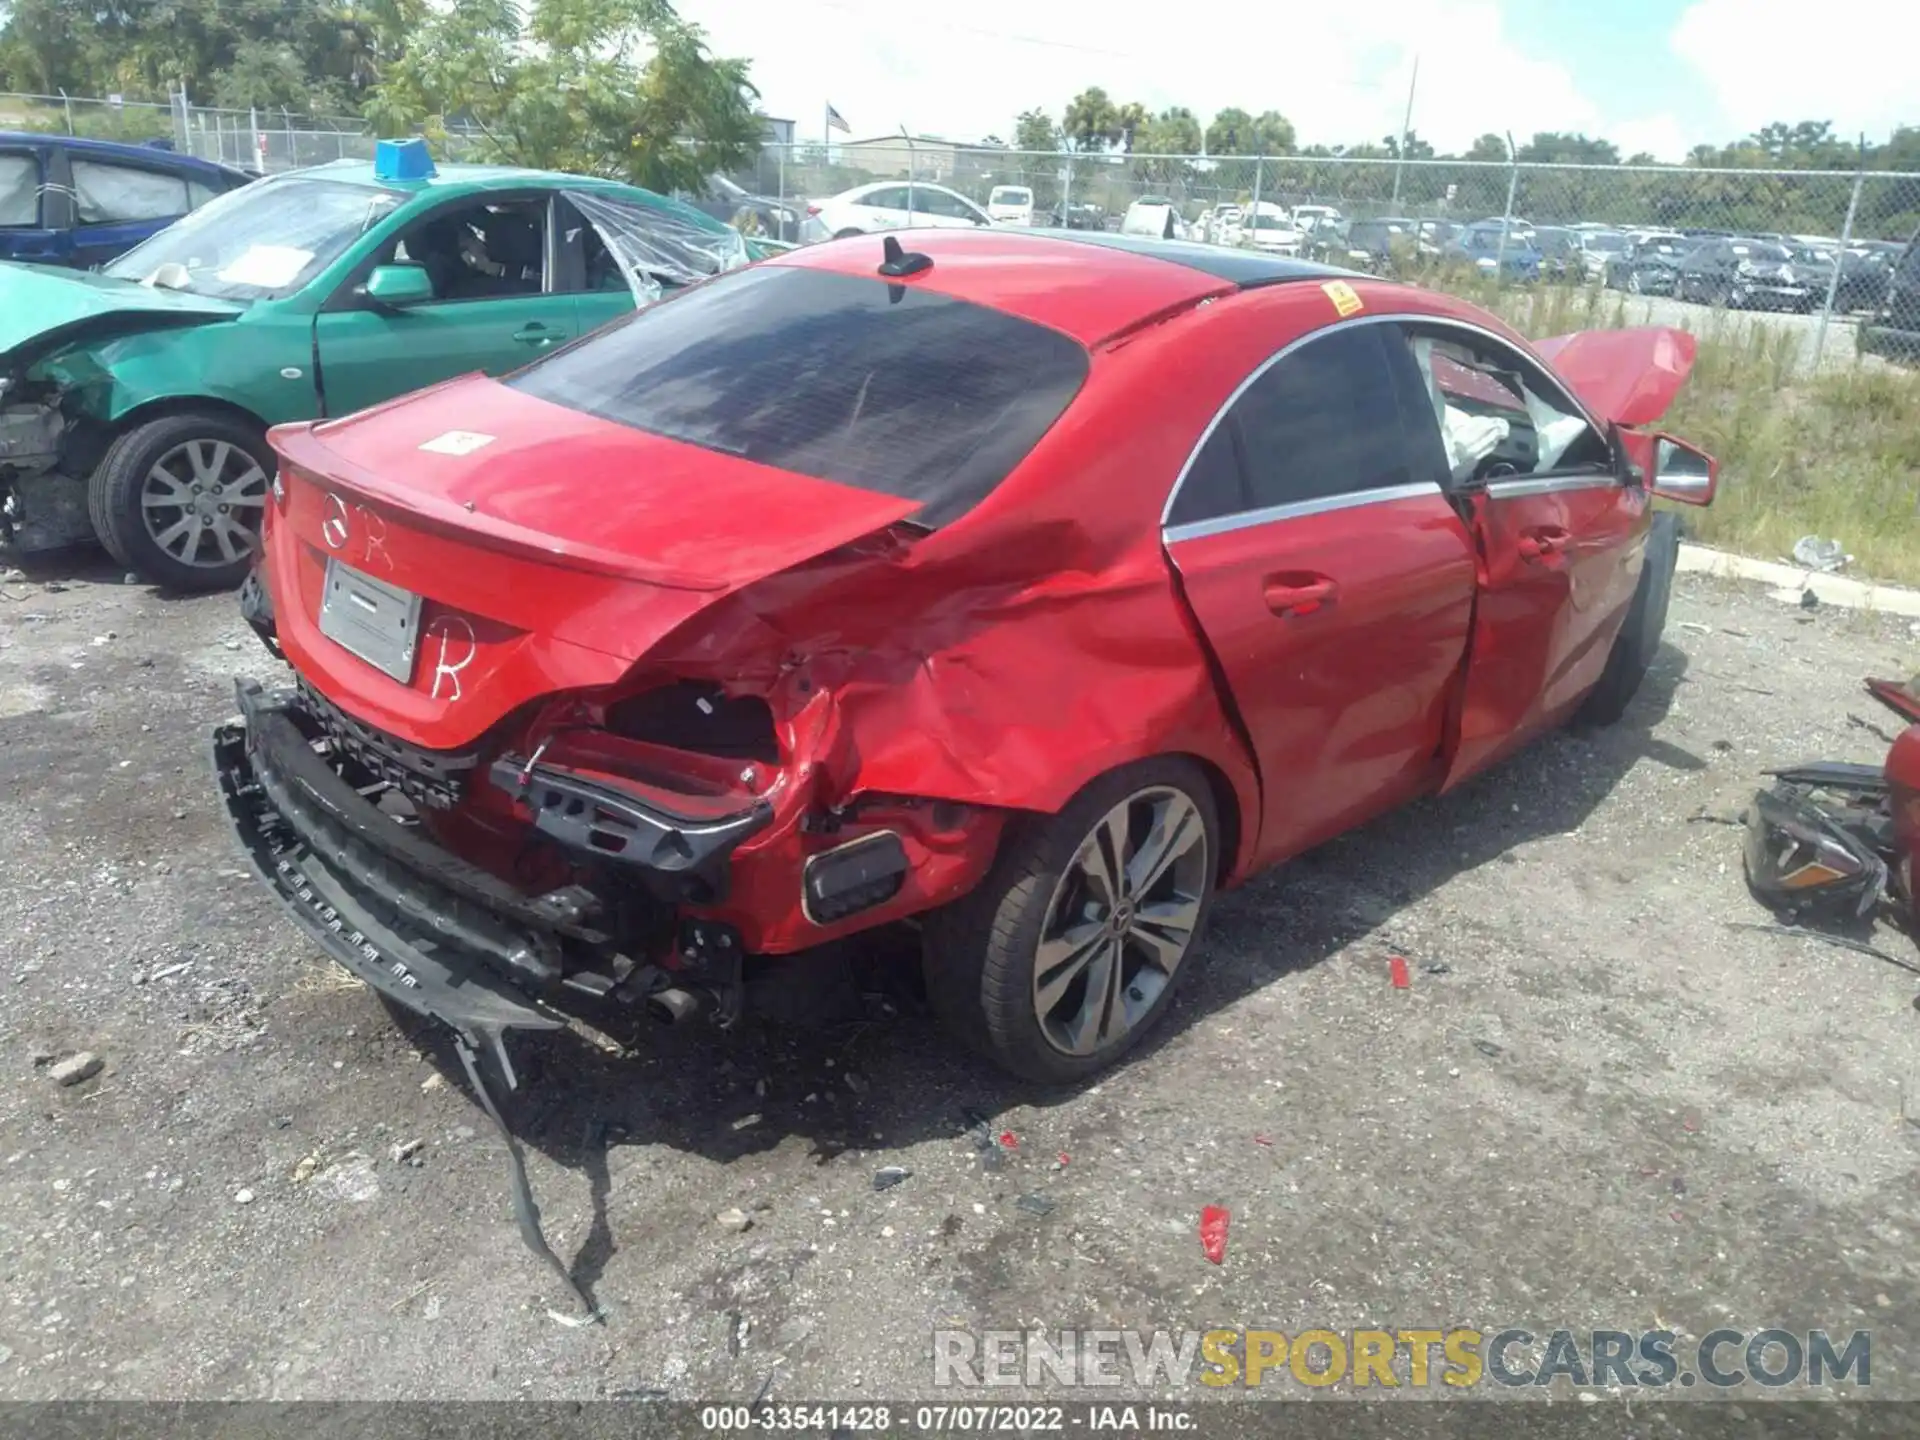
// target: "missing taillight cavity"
[[688, 715]]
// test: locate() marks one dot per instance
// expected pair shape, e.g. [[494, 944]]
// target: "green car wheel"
[[180, 500]]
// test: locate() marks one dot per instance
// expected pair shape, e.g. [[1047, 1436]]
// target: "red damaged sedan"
[[1030, 588]]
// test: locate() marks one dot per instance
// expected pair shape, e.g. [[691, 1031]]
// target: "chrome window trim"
[[1300, 342], [1551, 484], [1247, 519]]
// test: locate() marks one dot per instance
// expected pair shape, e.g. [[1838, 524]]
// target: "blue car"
[[1517, 257], [65, 201]]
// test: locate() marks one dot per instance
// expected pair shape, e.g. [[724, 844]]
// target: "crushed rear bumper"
[[414, 922], [411, 920]]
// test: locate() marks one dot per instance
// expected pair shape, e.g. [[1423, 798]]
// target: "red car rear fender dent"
[[932, 675]]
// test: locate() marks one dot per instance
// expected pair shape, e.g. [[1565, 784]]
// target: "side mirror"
[[1680, 472], [394, 287]]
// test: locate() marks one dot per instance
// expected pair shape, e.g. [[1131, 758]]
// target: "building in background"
[[887, 156], [776, 132]]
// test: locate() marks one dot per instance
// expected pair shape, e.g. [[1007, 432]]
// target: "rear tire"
[[1024, 967], [1639, 638], [179, 500]]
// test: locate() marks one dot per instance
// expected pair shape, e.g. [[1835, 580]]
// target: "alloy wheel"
[[202, 502], [1121, 919]]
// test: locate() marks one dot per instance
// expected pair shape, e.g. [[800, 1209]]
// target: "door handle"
[[1298, 594], [1540, 543], [535, 334]]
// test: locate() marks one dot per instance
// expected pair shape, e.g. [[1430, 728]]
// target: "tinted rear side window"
[[883, 387], [1325, 420]]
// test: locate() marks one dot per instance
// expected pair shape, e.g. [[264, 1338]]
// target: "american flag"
[[834, 122]]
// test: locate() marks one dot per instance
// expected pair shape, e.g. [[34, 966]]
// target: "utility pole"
[[1406, 130]]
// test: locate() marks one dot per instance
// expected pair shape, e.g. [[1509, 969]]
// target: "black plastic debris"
[[1489, 1049], [888, 1176], [524, 1210], [1034, 1204]]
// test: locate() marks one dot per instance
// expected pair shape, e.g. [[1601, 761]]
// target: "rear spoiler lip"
[[299, 447]]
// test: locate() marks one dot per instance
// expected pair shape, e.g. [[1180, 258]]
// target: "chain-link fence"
[[1822, 246], [266, 140]]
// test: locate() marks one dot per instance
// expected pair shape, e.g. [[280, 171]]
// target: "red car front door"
[[1332, 578], [1560, 535]]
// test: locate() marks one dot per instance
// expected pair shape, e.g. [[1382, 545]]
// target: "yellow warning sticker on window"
[[1343, 297]]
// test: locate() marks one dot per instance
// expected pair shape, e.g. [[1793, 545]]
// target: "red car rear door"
[[1331, 576], [1560, 533]]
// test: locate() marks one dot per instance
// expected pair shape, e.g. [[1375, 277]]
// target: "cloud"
[[1339, 75], [1766, 60]]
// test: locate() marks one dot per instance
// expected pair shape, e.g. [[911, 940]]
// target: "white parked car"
[[1599, 249], [1270, 228], [1308, 217], [1223, 226], [1010, 205], [1155, 217], [890, 205]]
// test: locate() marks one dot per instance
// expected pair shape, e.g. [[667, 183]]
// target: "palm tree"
[[1091, 119]]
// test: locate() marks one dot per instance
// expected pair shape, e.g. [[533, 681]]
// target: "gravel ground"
[[1597, 1104]]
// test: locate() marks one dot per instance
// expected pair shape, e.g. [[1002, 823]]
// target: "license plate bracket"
[[370, 619]]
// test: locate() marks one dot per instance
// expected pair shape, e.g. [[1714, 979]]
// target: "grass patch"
[[1834, 453]]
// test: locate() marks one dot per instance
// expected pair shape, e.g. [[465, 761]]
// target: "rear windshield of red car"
[[881, 386]]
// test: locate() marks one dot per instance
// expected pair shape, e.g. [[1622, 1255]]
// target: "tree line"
[[614, 87]]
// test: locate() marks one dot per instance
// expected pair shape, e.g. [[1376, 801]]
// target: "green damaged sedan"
[[134, 401]]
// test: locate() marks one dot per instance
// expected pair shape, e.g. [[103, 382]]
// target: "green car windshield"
[[259, 242]]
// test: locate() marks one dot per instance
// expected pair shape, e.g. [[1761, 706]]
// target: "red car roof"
[[1088, 291]]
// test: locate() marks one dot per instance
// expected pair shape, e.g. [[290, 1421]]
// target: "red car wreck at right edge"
[[1030, 587]]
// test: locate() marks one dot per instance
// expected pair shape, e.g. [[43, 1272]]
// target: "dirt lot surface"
[[1597, 1105]]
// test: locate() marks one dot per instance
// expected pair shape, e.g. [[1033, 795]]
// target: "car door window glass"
[[19, 190], [1214, 484], [1324, 420], [894, 197], [490, 250], [199, 193], [949, 207], [1498, 416], [104, 193]]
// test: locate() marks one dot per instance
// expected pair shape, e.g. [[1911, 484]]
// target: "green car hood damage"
[[44, 310]]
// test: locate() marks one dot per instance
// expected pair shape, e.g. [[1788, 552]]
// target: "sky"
[[1658, 76]]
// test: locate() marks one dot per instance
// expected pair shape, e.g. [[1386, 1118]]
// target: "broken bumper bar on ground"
[[412, 921]]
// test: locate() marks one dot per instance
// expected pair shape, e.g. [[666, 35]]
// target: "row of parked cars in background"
[[1712, 267]]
